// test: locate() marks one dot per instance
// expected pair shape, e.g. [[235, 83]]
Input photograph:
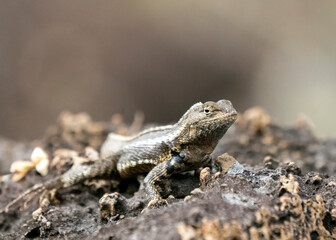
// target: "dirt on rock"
[[271, 182]]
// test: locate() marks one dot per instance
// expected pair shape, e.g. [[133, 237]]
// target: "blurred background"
[[106, 57]]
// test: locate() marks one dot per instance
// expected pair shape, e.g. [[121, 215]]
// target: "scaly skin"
[[160, 151]]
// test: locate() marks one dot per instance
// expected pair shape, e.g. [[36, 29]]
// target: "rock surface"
[[274, 182]]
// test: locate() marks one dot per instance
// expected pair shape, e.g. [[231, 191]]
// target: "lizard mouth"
[[230, 117]]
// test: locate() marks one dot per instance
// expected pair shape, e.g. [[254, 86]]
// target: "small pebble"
[[205, 176], [317, 179], [332, 183], [270, 162]]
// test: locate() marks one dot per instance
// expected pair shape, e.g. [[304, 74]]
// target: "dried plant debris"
[[268, 181], [39, 159]]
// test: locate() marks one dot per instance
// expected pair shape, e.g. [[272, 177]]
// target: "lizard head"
[[209, 120]]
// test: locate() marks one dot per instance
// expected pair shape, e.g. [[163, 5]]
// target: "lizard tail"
[[33, 191], [71, 177]]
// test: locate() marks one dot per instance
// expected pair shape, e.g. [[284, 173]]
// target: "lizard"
[[160, 151]]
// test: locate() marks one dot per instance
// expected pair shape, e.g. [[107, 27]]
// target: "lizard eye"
[[206, 111]]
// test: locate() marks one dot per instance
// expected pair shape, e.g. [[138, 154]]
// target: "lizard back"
[[140, 153]]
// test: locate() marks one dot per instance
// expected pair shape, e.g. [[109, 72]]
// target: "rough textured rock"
[[276, 182]]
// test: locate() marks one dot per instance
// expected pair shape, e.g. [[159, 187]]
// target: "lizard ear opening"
[[207, 112]]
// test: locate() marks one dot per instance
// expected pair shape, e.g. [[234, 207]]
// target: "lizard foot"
[[27, 196], [49, 197], [112, 206], [156, 203]]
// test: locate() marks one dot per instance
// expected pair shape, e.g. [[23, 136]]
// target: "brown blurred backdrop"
[[160, 57]]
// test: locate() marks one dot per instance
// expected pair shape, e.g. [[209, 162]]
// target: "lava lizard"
[[159, 151]]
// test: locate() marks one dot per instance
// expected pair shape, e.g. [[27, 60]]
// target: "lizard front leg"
[[162, 171]]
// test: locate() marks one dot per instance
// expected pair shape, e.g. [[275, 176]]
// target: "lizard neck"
[[206, 139]]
